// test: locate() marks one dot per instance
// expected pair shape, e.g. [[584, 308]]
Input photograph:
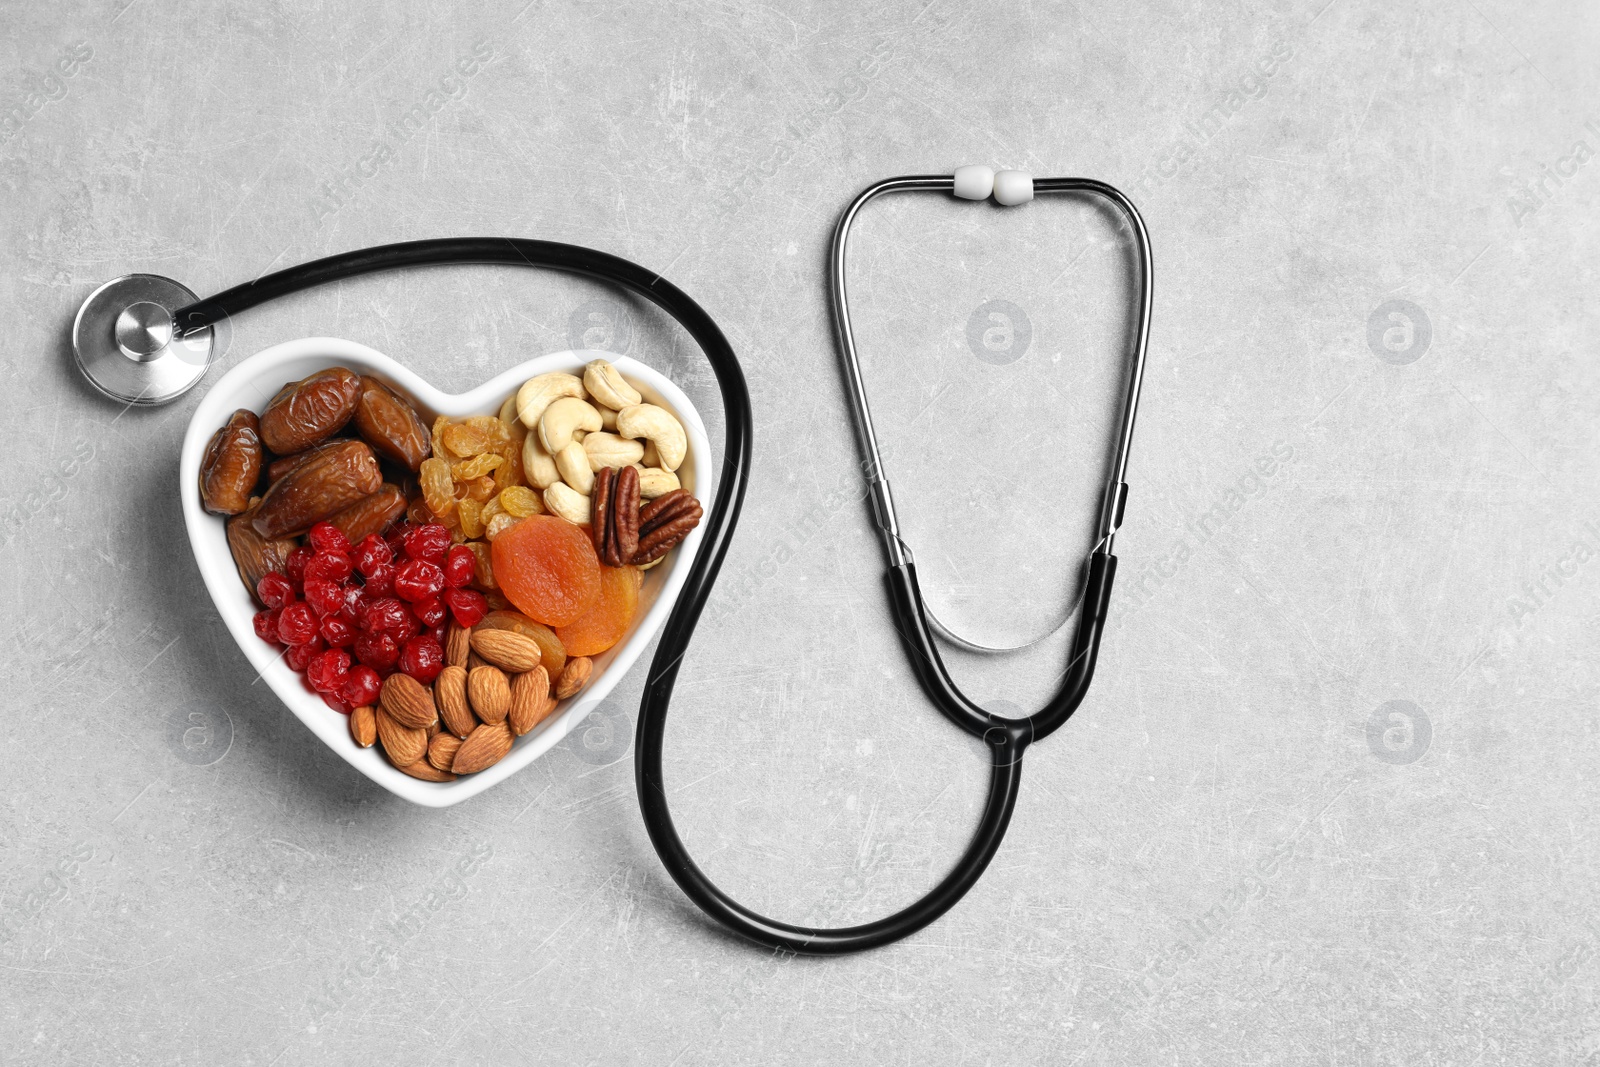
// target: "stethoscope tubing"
[[1006, 739]]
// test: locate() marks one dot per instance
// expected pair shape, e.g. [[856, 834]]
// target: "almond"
[[456, 645], [507, 649], [408, 701], [487, 746], [450, 692], [427, 771], [442, 750], [574, 676], [363, 725], [474, 661], [404, 745], [490, 693], [530, 700]]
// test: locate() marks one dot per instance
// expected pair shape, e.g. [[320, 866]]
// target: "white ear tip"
[[1012, 187], [974, 182]]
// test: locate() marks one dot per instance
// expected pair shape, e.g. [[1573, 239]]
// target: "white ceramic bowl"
[[253, 382]]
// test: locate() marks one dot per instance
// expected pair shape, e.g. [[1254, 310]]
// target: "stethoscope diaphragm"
[[127, 346]]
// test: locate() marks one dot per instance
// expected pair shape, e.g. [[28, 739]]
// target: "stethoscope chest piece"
[[126, 344]]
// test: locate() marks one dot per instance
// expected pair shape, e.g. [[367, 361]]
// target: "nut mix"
[[446, 586]]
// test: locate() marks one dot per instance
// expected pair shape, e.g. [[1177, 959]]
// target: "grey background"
[[1330, 798]]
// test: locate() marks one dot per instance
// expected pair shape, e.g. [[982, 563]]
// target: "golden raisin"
[[438, 489], [477, 466], [520, 501], [483, 572], [471, 514]]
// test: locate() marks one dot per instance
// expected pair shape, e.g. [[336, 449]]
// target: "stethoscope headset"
[[144, 339]]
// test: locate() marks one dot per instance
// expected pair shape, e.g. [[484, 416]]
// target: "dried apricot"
[[547, 567], [604, 624]]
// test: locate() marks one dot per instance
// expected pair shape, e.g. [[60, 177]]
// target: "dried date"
[[325, 484], [310, 411], [389, 423], [232, 465]]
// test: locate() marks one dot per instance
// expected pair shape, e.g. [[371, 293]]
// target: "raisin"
[[438, 487]]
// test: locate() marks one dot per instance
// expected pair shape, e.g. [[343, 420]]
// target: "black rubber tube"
[[1006, 738]]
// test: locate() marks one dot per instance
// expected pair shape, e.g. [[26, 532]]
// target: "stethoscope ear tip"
[[125, 342], [978, 182]]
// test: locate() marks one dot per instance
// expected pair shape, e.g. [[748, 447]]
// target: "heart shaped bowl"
[[257, 379]]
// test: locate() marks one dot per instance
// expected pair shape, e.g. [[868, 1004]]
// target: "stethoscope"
[[142, 339]]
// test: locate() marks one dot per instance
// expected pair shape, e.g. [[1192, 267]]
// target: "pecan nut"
[[600, 513], [623, 540], [665, 527]]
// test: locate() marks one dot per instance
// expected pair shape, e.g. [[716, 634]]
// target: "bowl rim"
[[257, 378]]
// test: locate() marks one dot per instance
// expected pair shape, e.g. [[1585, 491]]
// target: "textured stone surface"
[[1332, 797]]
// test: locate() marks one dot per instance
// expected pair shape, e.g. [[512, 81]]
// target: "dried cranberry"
[[266, 624], [325, 597], [326, 537], [429, 612], [378, 651], [337, 632], [297, 624], [385, 615], [362, 687], [354, 597], [423, 659], [395, 538], [428, 542], [274, 589], [418, 580], [372, 553], [295, 564], [467, 605], [336, 704], [459, 566], [300, 656], [328, 671], [438, 634], [334, 566], [381, 581]]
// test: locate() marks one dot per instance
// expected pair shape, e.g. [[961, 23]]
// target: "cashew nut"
[[658, 424], [539, 393], [564, 415], [537, 464], [609, 450], [573, 463], [654, 482], [651, 457], [606, 384], [508, 412], [567, 503], [608, 418]]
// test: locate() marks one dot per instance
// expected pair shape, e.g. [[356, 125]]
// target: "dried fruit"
[[324, 485], [530, 701], [459, 565], [438, 488], [429, 542], [363, 687], [417, 579], [470, 513], [254, 555], [499, 525], [490, 693], [519, 501], [450, 695], [553, 654], [484, 747], [403, 745], [507, 649], [310, 411], [575, 677], [232, 465], [390, 424], [477, 466], [442, 750], [548, 568], [467, 606], [372, 513], [363, 725], [483, 565], [408, 701], [609, 618], [422, 658]]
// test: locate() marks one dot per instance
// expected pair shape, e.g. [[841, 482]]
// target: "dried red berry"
[[328, 671], [336, 704], [295, 565], [371, 554], [297, 624], [378, 651], [326, 537], [300, 656], [381, 581], [266, 624], [337, 632], [334, 566], [324, 597], [362, 687], [429, 612], [459, 566], [467, 605], [428, 542], [423, 659], [274, 589], [354, 597], [418, 580], [385, 615]]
